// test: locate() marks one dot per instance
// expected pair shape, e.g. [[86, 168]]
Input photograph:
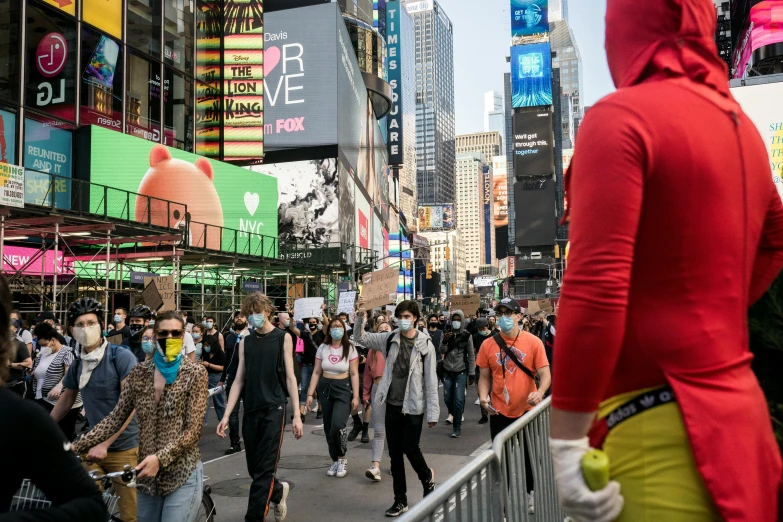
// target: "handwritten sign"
[[347, 302], [546, 305], [150, 296], [380, 287], [307, 307], [165, 287], [468, 303], [532, 307]]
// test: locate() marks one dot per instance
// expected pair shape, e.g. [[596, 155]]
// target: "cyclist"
[[660, 215], [51, 466], [138, 318], [98, 377], [169, 393]]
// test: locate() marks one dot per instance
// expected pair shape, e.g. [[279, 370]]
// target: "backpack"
[[112, 352], [389, 342]]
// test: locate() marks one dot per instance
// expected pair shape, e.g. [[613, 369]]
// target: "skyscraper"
[[494, 113], [558, 10], [510, 160], [568, 60], [434, 102], [488, 143], [471, 169]]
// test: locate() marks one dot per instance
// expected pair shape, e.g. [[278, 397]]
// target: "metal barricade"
[[471, 495]]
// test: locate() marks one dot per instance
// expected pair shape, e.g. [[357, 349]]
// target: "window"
[[178, 34], [178, 106], [142, 104], [144, 26], [9, 51], [101, 94]]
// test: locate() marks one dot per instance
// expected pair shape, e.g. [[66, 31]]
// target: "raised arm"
[[371, 341]]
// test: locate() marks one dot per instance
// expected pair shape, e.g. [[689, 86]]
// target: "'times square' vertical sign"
[[393, 14], [243, 80]]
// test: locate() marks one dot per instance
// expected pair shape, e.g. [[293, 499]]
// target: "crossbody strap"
[[511, 355]]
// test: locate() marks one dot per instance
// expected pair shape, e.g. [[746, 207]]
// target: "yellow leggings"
[[650, 456]]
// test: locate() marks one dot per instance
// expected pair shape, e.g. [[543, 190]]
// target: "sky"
[[481, 44]]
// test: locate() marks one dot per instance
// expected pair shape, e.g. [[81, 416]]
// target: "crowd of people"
[[139, 390]]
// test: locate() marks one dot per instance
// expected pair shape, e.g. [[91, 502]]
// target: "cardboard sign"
[[546, 305], [468, 303], [380, 287], [150, 296], [114, 339], [347, 302], [308, 307], [532, 307]]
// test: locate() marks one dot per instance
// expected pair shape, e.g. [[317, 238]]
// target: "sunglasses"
[[167, 333]]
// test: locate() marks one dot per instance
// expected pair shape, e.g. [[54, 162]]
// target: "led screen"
[[531, 75]]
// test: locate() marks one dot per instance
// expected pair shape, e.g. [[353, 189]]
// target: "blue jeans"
[[179, 506], [454, 395], [218, 400], [307, 373]]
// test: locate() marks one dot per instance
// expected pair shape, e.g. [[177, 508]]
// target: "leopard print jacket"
[[170, 429]]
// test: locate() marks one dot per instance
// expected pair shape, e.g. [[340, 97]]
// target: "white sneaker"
[[281, 509], [342, 468], [332, 470], [449, 419], [373, 474], [478, 402], [531, 510]]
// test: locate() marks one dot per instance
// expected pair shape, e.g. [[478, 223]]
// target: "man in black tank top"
[[266, 374]]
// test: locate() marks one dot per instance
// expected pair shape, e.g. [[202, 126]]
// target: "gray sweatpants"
[[378, 425]]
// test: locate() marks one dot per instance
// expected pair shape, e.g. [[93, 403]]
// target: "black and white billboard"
[[533, 143], [536, 218]]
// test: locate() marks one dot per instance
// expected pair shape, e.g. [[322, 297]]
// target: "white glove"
[[575, 497]]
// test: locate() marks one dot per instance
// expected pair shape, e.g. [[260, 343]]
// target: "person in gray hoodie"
[[459, 368], [408, 388]]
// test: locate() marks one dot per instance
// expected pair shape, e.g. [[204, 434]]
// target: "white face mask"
[[87, 336]]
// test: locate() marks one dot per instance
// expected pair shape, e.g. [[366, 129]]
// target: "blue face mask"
[[485, 333], [337, 333], [256, 320], [207, 349], [406, 325], [506, 324], [208, 325], [168, 370], [456, 325], [148, 346], [118, 318], [196, 336]]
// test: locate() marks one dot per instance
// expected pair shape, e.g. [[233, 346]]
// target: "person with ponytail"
[[169, 394]]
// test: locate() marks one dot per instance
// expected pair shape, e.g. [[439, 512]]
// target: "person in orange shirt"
[[511, 360]]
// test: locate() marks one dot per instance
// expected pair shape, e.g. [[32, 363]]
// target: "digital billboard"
[[7, 137], [536, 220], [394, 70], [500, 190], [216, 194], [436, 217], [762, 105], [764, 27], [529, 21], [531, 75], [48, 150], [533, 144], [307, 199]]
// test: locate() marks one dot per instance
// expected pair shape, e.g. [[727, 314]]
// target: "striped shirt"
[[54, 373]]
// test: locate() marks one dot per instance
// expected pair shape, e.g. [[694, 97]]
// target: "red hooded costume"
[[676, 228]]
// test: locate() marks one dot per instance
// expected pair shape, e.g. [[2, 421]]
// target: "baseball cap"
[[481, 323], [511, 304], [43, 316]]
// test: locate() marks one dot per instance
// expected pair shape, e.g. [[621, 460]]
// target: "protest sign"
[[308, 307], [347, 302], [380, 287], [468, 303]]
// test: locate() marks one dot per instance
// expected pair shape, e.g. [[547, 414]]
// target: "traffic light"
[[408, 265], [448, 253], [429, 270]]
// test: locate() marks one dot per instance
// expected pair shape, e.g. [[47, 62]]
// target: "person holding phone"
[[512, 360]]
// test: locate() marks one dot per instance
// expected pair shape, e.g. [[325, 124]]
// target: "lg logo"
[[50, 59]]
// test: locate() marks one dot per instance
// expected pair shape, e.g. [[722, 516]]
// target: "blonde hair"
[[257, 303]]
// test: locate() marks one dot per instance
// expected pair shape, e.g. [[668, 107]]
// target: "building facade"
[[435, 126], [568, 60], [494, 113], [558, 10], [478, 230], [490, 144], [408, 198], [452, 271], [509, 145]]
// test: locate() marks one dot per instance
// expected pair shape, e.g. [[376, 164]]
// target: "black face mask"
[[239, 326], [433, 325], [135, 328], [312, 326]]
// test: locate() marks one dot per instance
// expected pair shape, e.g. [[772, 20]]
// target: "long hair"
[[344, 341]]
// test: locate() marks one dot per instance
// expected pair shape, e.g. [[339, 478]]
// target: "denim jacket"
[[422, 390]]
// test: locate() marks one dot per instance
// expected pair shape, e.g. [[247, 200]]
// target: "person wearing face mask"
[[312, 337], [49, 371], [285, 323], [483, 333], [211, 334], [493, 327], [459, 367], [169, 394], [337, 371], [266, 376], [409, 390], [213, 358], [138, 317], [120, 327], [511, 361], [229, 374], [97, 376]]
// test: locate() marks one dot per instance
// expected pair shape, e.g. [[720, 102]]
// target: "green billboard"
[[218, 195]]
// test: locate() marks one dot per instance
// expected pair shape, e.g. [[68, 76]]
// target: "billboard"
[[216, 194], [307, 200], [7, 137], [500, 190], [394, 71], [30, 261], [48, 150], [531, 75], [436, 217], [529, 21], [536, 220], [486, 201], [533, 144], [762, 105], [763, 28]]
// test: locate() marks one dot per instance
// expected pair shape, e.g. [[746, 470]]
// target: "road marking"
[[223, 457], [481, 449]]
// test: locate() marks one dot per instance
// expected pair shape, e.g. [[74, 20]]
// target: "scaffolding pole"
[[54, 277], [202, 289], [106, 287]]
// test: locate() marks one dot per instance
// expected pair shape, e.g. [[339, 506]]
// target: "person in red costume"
[[676, 229]]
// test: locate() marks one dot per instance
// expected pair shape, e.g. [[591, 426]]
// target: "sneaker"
[[332, 470], [281, 509], [373, 474], [235, 448], [456, 434], [342, 468], [531, 509], [429, 485], [396, 510], [483, 420], [478, 402], [449, 419]]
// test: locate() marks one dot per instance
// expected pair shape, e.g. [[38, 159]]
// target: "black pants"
[[403, 433], [263, 433], [68, 423], [334, 395], [233, 419], [18, 388], [498, 423]]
